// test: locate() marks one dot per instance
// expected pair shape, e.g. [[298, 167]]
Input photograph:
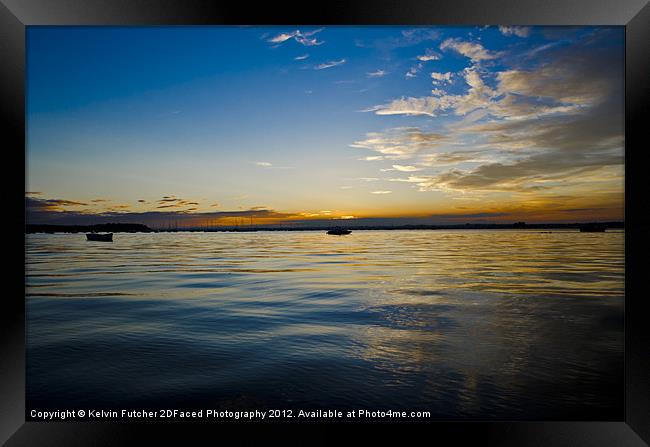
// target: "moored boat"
[[100, 237], [592, 228], [339, 231]]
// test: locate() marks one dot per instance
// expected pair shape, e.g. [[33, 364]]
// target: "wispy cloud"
[[429, 55], [414, 106], [413, 71], [410, 179], [406, 168], [398, 143], [302, 37], [377, 74], [301, 58], [520, 31], [34, 204], [472, 50], [453, 158], [329, 64], [174, 202], [381, 192], [269, 165]]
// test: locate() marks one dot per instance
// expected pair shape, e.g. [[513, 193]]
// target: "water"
[[497, 324]]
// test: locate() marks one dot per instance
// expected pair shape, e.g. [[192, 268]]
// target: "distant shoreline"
[[139, 228]]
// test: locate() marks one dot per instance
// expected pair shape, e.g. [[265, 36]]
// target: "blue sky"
[[325, 122]]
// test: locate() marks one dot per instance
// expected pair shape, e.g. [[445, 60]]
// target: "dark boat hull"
[[339, 232], [592, 229], [100, 237]]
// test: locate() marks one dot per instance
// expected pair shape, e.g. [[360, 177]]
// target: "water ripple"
[[482, 324]]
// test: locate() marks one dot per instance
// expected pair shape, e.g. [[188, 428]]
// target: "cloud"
[[399, 143], [33, 204], [472, 50], [520, 31], [571, 81], [429, 55], [413, 71], [60, 202], [529, 174], [301, 58], [428, 105], [562, 84], [406, 168], [547, 153], [381, 192], [410, 179], [172, 202], [302, 37], [556, 125], [451, 158], [441, 77], [41, 211], [376, 74], [269, 165], [329, 64], [477, 96], [468, 215]]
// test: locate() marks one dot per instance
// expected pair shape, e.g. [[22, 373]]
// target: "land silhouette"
[[140, 228]]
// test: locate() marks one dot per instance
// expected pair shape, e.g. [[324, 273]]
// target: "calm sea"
[[506, 324]]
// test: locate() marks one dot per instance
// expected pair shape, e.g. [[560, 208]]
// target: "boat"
[[100, 237], [592, 228], [339, 231]]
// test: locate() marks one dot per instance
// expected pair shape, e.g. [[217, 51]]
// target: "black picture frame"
[[15, 15]]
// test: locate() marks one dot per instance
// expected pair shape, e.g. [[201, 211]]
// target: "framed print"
[[424, 216]]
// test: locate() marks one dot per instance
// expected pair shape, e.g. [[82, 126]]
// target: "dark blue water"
[[464, 324]]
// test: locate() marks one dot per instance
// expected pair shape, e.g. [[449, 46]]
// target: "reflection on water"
[[467, 324]]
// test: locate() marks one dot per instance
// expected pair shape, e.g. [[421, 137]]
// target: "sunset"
[[298, 125], [321, 222]]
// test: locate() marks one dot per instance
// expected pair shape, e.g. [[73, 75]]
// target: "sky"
[[297, 125]]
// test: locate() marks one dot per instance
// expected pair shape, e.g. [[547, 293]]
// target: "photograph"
[[325, 222]]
